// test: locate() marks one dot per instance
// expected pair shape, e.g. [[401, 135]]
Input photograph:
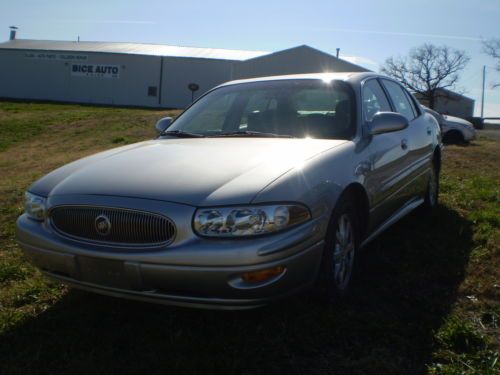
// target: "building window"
[[152, 91]]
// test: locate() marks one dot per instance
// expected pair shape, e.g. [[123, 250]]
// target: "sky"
[[368, 31]]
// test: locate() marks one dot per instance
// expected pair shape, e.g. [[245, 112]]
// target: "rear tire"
[[432, 194], [340, 252]]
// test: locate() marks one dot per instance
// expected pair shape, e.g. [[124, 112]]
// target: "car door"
[[388, 158], [422, 131], [418, 140]]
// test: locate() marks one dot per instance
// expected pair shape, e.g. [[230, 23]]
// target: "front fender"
[[319, 182]]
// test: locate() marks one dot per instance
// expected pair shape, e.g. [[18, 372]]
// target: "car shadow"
[[405, 286], [460, 144]]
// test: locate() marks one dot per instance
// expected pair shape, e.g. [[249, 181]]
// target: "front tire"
[[340, 253], [453, 137]]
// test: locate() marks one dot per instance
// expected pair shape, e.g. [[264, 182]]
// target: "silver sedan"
[[262, 188]]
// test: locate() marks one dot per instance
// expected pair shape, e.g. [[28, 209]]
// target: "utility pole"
[[482, 96]]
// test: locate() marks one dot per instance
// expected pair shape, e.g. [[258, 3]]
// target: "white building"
[[451, 103], [146, 75]]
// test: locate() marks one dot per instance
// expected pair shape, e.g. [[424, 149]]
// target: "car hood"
[[452, 120], [194, 171]]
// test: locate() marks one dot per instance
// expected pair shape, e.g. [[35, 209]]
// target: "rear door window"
[[413, 103]]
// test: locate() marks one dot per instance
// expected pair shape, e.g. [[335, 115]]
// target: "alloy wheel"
[[343, 252]]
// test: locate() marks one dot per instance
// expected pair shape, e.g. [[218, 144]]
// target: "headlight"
[[248, 221], [34, 206]]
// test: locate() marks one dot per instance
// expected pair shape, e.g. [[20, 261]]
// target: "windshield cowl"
[[182, 134], [247, 133]]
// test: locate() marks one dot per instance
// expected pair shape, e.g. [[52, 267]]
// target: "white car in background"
[[454, 129], [457, 130]]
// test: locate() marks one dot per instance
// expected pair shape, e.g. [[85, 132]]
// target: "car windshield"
[[282, 108]]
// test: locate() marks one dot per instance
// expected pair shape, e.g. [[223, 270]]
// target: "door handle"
[[404, 144], [429, 132]]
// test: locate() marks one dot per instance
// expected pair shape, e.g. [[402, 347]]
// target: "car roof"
[[352, 77]]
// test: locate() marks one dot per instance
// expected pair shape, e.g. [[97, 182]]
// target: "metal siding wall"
[[460, 107], [179, 72], [24, 78], [136, 74], [295, 61]]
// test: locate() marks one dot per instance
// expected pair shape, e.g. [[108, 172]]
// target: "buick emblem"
[[102, 225]]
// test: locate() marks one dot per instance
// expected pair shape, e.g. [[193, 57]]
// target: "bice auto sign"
[[95, 70]]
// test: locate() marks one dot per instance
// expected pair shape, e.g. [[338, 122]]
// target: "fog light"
[[262, 275]]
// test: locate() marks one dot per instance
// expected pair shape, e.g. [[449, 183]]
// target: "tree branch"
[[427, 68]]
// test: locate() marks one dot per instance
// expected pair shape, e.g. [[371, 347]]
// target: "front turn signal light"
[[262, 275]]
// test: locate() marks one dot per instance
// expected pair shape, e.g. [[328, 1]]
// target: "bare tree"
[[492, 48], [427, 69]]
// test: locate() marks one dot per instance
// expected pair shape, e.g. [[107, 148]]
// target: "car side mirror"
[[386, 122], [163, 124]]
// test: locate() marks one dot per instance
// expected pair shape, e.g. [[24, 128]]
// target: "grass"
[[426, 299]]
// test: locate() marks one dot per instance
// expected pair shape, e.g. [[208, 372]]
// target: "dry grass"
[[426, 298]]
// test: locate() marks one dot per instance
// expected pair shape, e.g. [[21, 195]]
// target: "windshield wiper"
[[248, 133], [182, 134]]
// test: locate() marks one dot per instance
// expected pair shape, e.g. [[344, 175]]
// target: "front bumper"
[[469, 135], [202, 287], [196, 272]]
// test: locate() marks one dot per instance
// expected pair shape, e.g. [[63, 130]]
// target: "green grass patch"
[[12, 131], [12, 271], [460, 336]]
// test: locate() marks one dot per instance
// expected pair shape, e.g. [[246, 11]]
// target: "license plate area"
[[105, 272]]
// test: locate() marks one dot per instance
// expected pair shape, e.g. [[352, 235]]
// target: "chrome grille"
[[126, 227]]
